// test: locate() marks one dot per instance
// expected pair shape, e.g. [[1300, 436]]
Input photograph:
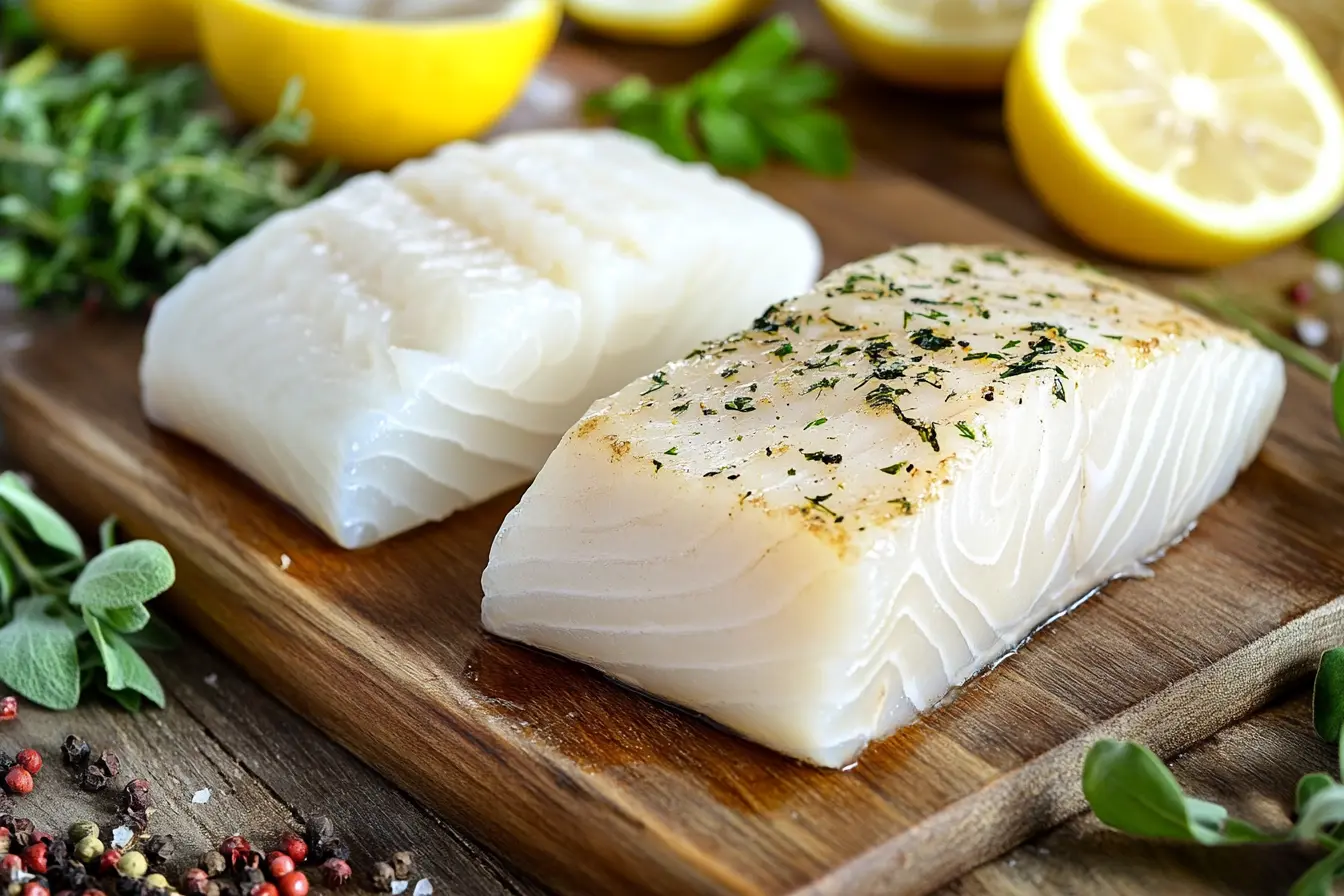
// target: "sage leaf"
[[123, 576], [1337, 397], [1132, 790], [1319, 879], [129, 700], [135, 672], [107, 533], [9, 584], [768, 46], [38, 657], [1310, 785], [48, 525], [1323, 809], [817, 140], [116, 678], [154, 636], [126, 619], [1327, 697]]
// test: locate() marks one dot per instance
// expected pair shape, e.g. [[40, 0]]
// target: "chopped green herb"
[[926, 339], [681, 408], [1012, 343], [844, 327], [904, 504], [824, 383], [792, 471], [994, 258], [976, 356], [730, 370], [910, 258], [817, 422], [1059, 390], [961, 267], [784, 350], [672, 450], [659, 381], [657, 465], [826, 349], [965, 430], [742, 404], [893, 469]]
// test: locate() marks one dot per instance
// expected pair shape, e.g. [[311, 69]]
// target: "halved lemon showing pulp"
[[670, 22], [946, 44], [385, 80], [1183, 132]]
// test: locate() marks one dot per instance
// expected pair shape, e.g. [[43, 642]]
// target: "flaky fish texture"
[[416, 342], [813, 530]]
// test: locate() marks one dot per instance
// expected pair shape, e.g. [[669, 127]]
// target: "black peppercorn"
[[214, 863], [250, 877], [108, 763], [159, 850], [75, 751], [333, 848], [93, 780], [58, 852], [318, 831], [131, 886], [402, 864]]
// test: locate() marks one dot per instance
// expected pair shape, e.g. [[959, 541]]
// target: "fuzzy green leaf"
[[123, 576], [38, 657], [48, 525], [126, 619], [155, 636], [1328, 695]]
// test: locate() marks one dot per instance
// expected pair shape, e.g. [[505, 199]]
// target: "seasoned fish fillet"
[[418, 341], [810, 531]]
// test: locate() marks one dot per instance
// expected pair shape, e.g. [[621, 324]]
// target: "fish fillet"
[[811, 531], [416, 342]]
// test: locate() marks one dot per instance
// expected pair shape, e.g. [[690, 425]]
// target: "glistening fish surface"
[[416, 342], [812, 530]]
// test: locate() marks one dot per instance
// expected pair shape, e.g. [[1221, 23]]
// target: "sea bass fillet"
[[416, 342], [811, 531]]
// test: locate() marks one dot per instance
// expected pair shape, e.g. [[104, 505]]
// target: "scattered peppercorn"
[[4, 840], [214, 863], [81, 829], [293, 884], [18, 780], [195, 882], [9, 709], [108, 861], [265, 890], [159, 850], [156, 881], [108, 763], [133, 864], [335, 873], [294, 846], [10, 863], [33, 888], [278, 865], [1300, 293], [334, 848], [75, 751], [383, 877], [30, 759], [87, 849], [402, 864], [35, 858]]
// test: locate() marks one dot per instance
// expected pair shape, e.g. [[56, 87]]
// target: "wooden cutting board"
[[597, 790]]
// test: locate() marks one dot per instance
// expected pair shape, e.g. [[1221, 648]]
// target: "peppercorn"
[[108, 861], [278, 865], [334, 848], [212, 889], [293, 884], [108, 763], [10, 863], [264, 889], [318, 831], [88, 848], [402, 864], [1300, 293], [133, 864], [135, 819], [335, 872], [195, 882], [131, 886], [23, 833], [9, 709], [160, 848], [81, 829], [18, 780], [292, 845], [14, 889], [156, 881], [4, 840], [75, 751], [383, 877], [35, 858], [214, 863], [33, 888], [93, 780], [30, 759]]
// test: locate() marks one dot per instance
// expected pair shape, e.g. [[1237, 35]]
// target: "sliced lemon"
[[1183, 132], [147, 29], [946, 44], [385, 80], [670, 22]]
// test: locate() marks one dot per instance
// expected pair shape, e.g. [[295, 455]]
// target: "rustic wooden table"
[[267, 769]]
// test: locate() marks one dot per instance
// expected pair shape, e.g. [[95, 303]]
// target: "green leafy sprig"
[[756, 102], [65, 617], [114, 183], [1132, 790]]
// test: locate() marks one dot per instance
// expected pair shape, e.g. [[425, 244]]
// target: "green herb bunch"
[[755, 102], [114, 183], [64, 616], [1130, 789]]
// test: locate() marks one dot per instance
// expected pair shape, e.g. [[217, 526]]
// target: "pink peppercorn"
[[18, 780], [1300, 293], [30, 760], [9, 708], [279, 864], [107, 862], [335, 872], [293, 884], [265, 890], [292, 845]]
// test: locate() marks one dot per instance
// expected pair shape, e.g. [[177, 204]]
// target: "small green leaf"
[[1310, 785], [9, 583], [1328, 695], [626, 95], [107, 533], [124, 575], [816, 140], [1319, 879], [674, 130], [116, 678], [129, 700], [155, 636], [1328, 240], [731, 141], [126, 619], [769, 45], [1337, 397], [48, 525], [135, 672], [38, 657], [13, 261], [1323, 810]]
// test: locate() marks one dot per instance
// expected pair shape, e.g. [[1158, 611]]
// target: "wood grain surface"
[[598, 790]]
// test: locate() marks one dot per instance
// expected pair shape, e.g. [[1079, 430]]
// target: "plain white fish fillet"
[[811, 531], [416, 342]]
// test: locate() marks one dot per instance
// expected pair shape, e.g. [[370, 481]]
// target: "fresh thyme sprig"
[[65, 617], [1132, 790], [114, 183], [757, 101]]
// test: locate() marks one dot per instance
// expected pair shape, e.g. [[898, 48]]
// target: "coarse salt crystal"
[[1312, 331], [423, 887], [1329, 275], [398, 887], [212, 679], [121, 836], [284, 562], [201, 796]]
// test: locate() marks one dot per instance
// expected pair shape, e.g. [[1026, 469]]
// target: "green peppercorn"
[[133, 864], [88, 848], [81, 829], [156, 882]]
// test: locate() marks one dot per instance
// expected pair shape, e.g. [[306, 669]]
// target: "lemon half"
[[947, 44], [1184, 132], [670, 22], [147, 29], [385, 80]]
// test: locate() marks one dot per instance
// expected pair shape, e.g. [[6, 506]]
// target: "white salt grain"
[[212, 679], [1312, 331], [121, 836], [284, 562], [201, 796], [1329, 275], [423, 887], [398, 887]]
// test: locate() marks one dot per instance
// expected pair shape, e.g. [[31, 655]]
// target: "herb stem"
[[33, 67], [1297, 354], [36, 582]]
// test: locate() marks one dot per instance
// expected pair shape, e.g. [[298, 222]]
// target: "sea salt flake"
[[398, 887], [423, 887], [1312, 331], [1329, 275], [284, 562], [121, 836], [212, 679], [201, 796]]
